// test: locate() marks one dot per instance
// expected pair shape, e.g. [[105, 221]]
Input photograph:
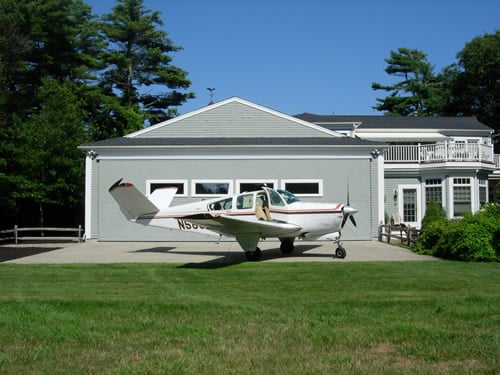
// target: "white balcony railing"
[[497, 161], [441, 152]]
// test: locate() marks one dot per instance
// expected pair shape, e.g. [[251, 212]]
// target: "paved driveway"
[[216, 253]]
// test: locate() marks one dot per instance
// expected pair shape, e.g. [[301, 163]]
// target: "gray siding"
[[234, 119], [355, 174], [391, 183]]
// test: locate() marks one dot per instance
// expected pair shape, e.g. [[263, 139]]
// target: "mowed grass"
[[251, 318]]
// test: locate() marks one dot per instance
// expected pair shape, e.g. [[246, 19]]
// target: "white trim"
[[234, 100], [319, 182], [254, 181], [381, 188], [165, 181], [230, 189], [88, 197]]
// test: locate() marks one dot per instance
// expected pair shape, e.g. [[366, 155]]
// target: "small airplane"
[[249, 216]]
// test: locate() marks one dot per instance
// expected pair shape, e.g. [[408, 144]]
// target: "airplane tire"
[[253, 256], [287, 246], [340, 253]]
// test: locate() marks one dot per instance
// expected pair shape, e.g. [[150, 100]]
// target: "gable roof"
[[398, 122], [234, 117]]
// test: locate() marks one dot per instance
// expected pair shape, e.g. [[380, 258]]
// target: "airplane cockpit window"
[[288, 197], [275, 198], [244, 201], [221, 205]]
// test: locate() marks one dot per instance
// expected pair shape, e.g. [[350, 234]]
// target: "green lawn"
[[251, 318]]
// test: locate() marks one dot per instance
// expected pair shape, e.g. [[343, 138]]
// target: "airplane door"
[[277, 205]]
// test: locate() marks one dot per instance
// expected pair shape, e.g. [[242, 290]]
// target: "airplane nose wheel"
[[340, 252], [253, 256]]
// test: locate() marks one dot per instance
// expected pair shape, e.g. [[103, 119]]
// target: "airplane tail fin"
[[131, 201]]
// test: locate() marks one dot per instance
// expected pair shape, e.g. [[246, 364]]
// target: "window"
[[433, 190], [483, 192], [222, 205], [304, 188], [461, 196], [181, 185], [211, 188], [253, 185], [276, 199], [244, 202]]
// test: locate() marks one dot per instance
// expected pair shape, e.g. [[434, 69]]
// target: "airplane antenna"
[[211, 90]]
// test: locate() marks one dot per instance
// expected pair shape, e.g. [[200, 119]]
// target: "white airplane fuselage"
[[314, 219], [248, 217]]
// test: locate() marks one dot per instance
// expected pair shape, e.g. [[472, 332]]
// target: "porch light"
[[92, 154], [375, 153]]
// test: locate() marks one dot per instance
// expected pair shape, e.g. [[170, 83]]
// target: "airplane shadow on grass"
[[230, 258]]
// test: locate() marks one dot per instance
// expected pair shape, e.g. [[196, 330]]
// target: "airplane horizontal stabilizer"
[[163, 197], [131, 201]]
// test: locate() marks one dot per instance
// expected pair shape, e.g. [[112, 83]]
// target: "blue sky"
[[317, 56]]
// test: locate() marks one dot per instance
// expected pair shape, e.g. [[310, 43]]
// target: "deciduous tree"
[[474, 81]]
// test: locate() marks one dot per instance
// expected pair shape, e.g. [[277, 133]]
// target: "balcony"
[[441, 153]]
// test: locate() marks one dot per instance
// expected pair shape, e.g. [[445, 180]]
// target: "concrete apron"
[[216, 253]]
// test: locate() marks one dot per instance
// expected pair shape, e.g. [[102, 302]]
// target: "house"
[[445, 159], [230, 147]]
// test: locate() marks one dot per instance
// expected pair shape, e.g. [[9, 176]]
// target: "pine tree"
[[418, 93], [138, 62]]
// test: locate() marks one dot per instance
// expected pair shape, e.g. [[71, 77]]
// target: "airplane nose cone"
[[350, 210]]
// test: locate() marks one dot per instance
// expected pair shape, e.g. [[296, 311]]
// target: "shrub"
[[466, 240], [473, 238], [434, 225], [434, 212], [427, 243]]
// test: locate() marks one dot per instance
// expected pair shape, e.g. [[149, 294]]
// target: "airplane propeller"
[[348, 211]]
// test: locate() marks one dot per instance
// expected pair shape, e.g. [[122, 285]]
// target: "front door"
[[410, 204]]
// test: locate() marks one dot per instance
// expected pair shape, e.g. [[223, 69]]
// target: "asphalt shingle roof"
[[221, 141], [398, 122]]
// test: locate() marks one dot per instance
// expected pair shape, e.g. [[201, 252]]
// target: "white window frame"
[[255, 181], [177, 182], [230, 189], [304, 181]]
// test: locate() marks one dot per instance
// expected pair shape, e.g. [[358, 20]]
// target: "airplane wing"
[[246, 232]]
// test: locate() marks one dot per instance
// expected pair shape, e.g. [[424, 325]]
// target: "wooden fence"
[[40, 234], [405, 234]]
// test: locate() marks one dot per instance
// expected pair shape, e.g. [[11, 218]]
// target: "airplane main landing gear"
[[287, 245], [253, 256], [340, 252]]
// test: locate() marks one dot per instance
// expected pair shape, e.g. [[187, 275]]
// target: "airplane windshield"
[[287, 196]]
